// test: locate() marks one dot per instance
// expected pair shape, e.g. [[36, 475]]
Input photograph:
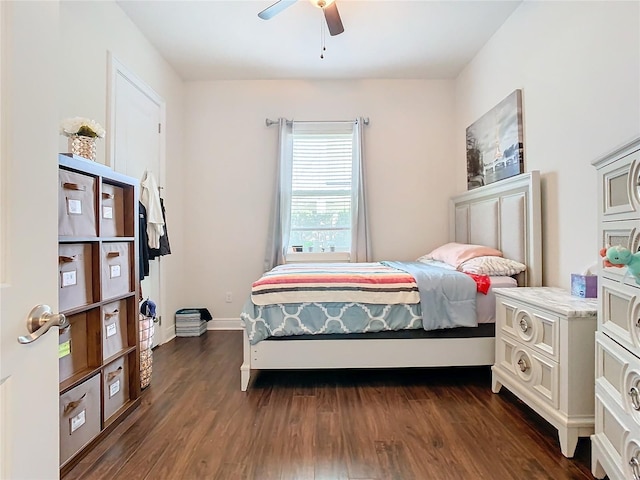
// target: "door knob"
[[40, 320]]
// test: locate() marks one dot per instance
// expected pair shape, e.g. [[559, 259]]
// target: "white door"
[[29, 439], [137, 117]]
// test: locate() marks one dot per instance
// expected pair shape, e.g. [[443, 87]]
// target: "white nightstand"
[[545, 355]]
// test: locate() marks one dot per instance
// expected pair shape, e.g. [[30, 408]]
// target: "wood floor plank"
[[444, 423], [330, 454]]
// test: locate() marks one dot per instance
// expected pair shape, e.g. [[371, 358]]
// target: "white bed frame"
[[504, 215]]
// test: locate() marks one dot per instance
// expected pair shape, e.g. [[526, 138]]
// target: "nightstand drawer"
[[530, 326], [533, 372], [619, 314]]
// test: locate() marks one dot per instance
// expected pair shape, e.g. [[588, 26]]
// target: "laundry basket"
[[146, 354]]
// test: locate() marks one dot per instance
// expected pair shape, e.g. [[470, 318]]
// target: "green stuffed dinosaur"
[[621, 256]]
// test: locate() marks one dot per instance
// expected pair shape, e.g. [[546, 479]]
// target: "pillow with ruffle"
[[492, 266], [456, 253]]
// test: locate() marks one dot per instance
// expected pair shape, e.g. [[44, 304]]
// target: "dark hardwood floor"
[[195, 423]]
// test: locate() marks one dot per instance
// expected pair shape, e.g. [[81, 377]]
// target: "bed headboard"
[[503, 215]]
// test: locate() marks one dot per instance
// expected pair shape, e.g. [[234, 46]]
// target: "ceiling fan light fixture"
[[321, 3], [329, 10]]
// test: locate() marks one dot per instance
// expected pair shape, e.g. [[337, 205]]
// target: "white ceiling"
[[215, 40]]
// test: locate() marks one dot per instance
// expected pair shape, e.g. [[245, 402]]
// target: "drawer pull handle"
[[69, 407], [634, 393], [107, 195], [522, 363], [524, 325], [113, 254], [114, 374], [111, 314], [635, 468], [74, 186], [67, 259]]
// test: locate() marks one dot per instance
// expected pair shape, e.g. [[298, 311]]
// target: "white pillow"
[[493, 266]]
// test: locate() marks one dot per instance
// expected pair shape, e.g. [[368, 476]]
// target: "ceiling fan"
[[329, 7]]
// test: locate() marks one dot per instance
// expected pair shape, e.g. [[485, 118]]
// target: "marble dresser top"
[[551, 298]]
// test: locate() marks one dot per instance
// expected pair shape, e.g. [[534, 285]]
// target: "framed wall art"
[[495, 148]]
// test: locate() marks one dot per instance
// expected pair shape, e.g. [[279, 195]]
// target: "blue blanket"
[[447, 297]]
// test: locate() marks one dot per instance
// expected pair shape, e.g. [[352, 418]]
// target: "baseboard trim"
[[224, 324]]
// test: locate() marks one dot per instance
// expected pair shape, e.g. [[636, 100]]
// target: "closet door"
[[138, 146]]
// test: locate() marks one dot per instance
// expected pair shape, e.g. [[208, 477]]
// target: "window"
[[321, 187], [319, 202]]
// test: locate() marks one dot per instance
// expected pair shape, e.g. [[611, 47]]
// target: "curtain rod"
[[270, 122]]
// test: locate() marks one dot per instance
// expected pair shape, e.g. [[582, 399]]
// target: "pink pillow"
[[457, 253]]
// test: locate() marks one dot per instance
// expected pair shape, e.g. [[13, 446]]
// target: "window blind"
[[322, 185]]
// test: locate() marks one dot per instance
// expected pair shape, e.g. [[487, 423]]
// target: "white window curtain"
[[360, 243], [281, 206], [281, 216]]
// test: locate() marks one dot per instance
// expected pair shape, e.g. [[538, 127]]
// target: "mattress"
[[284, 320], [485, 309], [486, 304]]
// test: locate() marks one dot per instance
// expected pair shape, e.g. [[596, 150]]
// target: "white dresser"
[[545, 355], [616, 441]]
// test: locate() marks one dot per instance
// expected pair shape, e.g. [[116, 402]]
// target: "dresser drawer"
[[617, 437], [625, 234], [530, 326], [618, 373], [619, 312], [620, 199], [533, 372]]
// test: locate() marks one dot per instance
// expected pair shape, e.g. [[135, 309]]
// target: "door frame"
[[114, 68], [4, 382]]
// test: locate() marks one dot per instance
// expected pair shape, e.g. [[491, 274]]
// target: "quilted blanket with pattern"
[[373, 283]]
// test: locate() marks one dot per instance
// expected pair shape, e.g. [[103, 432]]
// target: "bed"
[[505, 216]]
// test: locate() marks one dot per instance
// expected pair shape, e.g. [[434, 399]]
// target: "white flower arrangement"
[[83, 127]]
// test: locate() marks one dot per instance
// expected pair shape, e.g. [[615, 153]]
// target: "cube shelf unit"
[[98, 292]]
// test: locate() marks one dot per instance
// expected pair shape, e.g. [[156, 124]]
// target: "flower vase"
[[83, 146]]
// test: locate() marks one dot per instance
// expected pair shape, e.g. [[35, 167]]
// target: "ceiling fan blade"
[[332, 17], [276, 8]]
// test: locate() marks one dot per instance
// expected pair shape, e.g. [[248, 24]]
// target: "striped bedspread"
[[373, 283]]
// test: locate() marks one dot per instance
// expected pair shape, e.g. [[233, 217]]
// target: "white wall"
[[88, 31], [230, 160], [578, 64]]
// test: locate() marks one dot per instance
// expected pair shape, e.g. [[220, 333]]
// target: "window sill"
[[316, 257]]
